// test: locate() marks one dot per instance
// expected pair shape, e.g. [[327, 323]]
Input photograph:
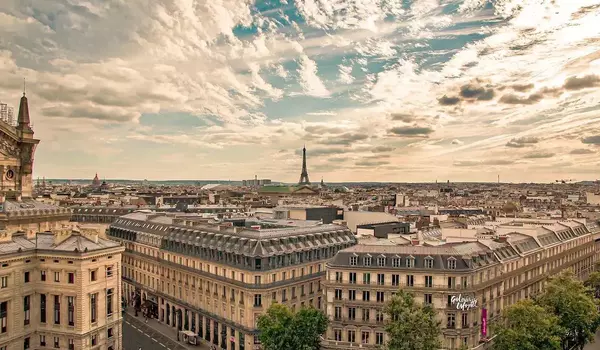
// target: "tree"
[[411, 326], [575, 307], [593, 282], [527, 326], [280, 328]]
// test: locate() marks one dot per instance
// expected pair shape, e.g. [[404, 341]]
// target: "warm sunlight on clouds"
[[381, 90]]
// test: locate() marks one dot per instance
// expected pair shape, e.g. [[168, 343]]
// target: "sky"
[[377, 90]]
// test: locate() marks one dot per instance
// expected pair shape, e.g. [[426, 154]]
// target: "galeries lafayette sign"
[[463, 303]]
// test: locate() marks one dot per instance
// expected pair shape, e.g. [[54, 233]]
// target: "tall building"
[[215, 280], [59, 287], [468, 283]]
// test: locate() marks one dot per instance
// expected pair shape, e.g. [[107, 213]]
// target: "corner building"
[[59, 287], [468, 283], [215, 280]]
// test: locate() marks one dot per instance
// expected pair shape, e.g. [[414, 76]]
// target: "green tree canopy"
[[411, 326], [527, 326], [280, 328], [593, 282], [576, 309]]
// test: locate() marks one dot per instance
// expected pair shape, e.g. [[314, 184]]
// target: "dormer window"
[[452, 263], [381, 261], [410, 262], [353, 260], [429, 262], [367, 261], [395, 262]]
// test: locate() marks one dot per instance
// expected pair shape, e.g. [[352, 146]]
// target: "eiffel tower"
[[304, 175]]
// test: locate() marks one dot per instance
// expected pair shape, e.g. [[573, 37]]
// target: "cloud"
[[474, 163], [539, 155], [457, 142], [476, 91], [411, 131], [582, 151], [586, 81], [382, 149], [371, 163], [521, 142], [407, 118], [449, 100], [315, 152], [309, 78], [522, 87], [513, 99], [591, 140], [346, 139], [320, 129]]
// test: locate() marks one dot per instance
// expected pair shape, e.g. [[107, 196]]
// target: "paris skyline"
[[382, 91]]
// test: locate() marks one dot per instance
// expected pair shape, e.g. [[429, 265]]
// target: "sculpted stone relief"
[[8, 146]]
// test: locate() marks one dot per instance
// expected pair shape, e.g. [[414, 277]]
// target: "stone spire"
[[23, 121]]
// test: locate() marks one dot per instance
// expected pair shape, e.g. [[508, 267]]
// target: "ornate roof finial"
[[23, 86]]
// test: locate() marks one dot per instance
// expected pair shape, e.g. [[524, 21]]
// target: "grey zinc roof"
[[45, 241]]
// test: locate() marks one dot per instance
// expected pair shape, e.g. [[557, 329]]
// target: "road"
[[594, 346], [137, 334]]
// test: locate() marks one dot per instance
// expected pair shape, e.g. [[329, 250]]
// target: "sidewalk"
[[167, 331]]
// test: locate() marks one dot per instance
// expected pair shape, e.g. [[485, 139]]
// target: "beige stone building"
[[468, 283], [59, 287], [215, 280]]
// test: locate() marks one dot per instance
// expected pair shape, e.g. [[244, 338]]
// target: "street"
[[137, 334], [594, 346]]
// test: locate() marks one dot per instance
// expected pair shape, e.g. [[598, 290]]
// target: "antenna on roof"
[[23, 86]]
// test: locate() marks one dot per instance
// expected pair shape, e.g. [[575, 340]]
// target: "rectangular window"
[[109, 333], [410, 280], [351, 294], [338, 277], [353, 260], [71, 344], [94, 307], [26, 343], [42, 340], [56, 309], [71, 310], [365, 337], [71, 278], [3, 317], [379, 338], [366, 315], [26, 277], [395, 280], [43, 308], [337, 334], [410, 262], [465, 320], [380, 297], [428, 298], [381, 261], [57, 342], [366, 295], [43, 276], [351, 336], [429, 263], [93, 276], [451, 320], [380, 279], [352, 277], [257, 300], [4, 281], [428, 281], [109, 301], [338, 294], [366, 278], [379, 316], [367, 261], [338, 313], [452, 264], [352, 313], [56, 276], [109, 271], [27, 309]]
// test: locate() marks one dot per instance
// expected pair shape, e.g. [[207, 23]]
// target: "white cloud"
[[309, 79]]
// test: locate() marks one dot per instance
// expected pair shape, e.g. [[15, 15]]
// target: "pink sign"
[[483, 323]]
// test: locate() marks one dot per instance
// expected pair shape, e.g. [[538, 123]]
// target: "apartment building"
[[215, 280], [468, 283]]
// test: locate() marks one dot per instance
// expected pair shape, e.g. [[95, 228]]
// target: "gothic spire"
[[23, 121]]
